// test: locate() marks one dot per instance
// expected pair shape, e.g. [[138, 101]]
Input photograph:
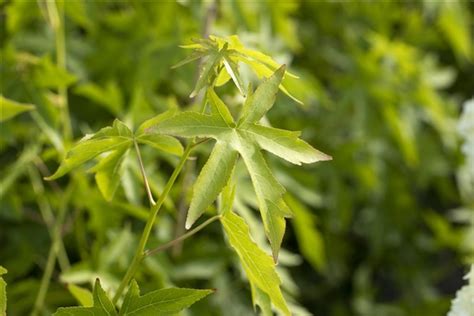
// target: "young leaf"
[[228, 52], [107, 172], [10, 108], [160, 302], [107, 139], [258, 266], [3, 292], [247, 138], [83, 296]]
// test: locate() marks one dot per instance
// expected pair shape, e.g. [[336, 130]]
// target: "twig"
[[142, 170], [182, 237]]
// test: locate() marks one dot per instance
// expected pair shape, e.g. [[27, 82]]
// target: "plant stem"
[[142, 170], [182, 237], [48, 217], [139, 254], [53, 251], [55, 10]]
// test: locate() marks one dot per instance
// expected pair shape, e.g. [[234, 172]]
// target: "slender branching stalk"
[[48, 217], [53, 252], [142, 170], [182, 237], [55, 11], [139, 254]]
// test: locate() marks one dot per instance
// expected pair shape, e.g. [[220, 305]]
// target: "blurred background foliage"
[[383, 229]]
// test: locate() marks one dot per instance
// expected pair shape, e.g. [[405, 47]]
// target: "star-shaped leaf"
[[224, 55], [245, 138], [110, 146]]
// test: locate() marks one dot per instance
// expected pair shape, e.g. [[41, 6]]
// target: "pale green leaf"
[[263, 98], [148, 124], [285, 144], [10, 108], [108, 172], [162, 142], [102, 301], [258, 266], [83, 296], [233, 71], [212, 178], [107, 139], [3, 292]]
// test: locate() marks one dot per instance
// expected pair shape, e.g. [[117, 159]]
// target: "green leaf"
[[206, 72], [162, 142], [219, 108], [192, 124], [102, 300], [263, 98], [247, 138], [108, 172], [145, 127], [258, 266], [160, 302], [286, 145], [102, 306], [10, 108], [107, 139], [83, 296], [213, 177], [233, 71], [132, 294], [3, 292]]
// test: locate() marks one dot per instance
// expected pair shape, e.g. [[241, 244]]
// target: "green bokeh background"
[[382, 84]]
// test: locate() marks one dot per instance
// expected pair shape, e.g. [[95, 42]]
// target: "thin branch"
[[142, 170], [182, 237]]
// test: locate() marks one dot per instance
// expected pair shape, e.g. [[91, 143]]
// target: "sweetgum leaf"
[[247, 138]]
